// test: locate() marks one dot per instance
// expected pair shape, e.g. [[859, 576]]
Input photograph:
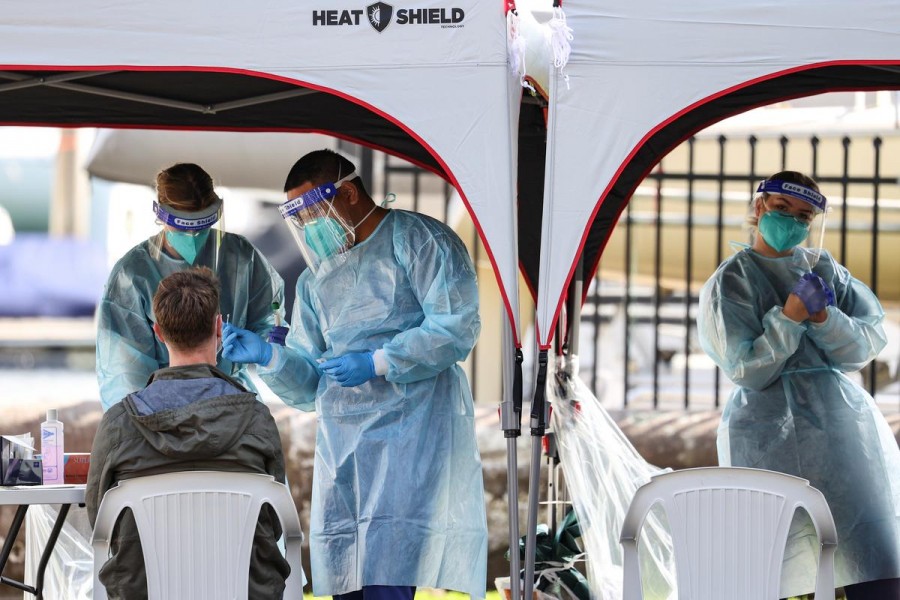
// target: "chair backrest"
[[729, 528], [196, 530]]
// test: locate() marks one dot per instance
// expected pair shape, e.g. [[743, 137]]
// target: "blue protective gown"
[[397, 494], [128, 351], [795, 410]]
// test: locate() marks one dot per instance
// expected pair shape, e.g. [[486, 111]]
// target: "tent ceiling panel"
[[53, 105]]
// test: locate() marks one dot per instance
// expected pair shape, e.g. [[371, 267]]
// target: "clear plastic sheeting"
[[602, 472], [69, 572]]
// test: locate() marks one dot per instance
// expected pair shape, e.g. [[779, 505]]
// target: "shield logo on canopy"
[[379, 15]]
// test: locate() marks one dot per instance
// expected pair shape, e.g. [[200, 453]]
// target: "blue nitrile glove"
[[242, 346], [814, 293], [277, 335], [350, 370]]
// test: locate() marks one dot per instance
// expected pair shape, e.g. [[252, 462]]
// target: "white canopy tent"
[[644, 76], [427, 82], [641, 78]]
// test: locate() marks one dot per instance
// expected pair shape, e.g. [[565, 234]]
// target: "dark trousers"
[[882, 589], [379, 592]]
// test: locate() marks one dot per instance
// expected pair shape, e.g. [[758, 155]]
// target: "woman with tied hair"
[[787, 323], [187, 209]]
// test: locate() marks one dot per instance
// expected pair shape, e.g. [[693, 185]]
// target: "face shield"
[[322, 234], [195, 236], [793, 215]]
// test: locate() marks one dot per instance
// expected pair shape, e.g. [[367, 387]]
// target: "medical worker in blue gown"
[[188, 209], [385, 311], [787, 323]]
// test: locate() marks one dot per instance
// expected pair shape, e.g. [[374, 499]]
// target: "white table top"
[[42, 494]]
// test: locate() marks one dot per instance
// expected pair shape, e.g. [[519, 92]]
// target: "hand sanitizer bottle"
[[52, 449]]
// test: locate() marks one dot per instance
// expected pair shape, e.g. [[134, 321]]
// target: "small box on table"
[[17, 463], [76, 466]]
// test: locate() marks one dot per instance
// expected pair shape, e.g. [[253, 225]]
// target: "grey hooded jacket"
[[190, 418]]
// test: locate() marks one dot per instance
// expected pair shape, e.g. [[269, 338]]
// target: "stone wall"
[[666, 439]]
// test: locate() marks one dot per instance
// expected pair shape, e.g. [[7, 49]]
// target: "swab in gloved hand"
[[240, 345]]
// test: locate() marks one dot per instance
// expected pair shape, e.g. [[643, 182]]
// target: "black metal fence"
[[678, 228], [638, 342]]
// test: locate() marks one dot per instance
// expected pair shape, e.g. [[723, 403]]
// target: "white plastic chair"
[[729, 528], [196, 530]]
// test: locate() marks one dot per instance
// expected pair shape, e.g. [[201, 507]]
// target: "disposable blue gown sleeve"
[[444, 282], [126, 347], [751, 351], [853, 334], [293, 375]]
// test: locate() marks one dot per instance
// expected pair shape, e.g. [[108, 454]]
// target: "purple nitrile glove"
[[813, 292], [350, 370], [277, 335]]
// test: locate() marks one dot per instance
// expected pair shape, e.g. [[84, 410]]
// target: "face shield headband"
[[188, 221], [304, 201], [794, 190]]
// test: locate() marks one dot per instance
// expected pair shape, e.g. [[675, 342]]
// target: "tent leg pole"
[[511, 423], [534, 478], [512, 486], [539, 418]]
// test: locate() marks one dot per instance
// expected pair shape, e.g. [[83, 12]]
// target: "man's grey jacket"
[[190, 418]]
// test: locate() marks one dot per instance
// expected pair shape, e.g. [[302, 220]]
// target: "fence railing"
[[678, 227], [638, 343]]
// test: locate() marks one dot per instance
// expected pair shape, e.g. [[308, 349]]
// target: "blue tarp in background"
[[43, 276]]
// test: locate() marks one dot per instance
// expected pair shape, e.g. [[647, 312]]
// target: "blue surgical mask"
[[187, 244], [324, 237], [782, 231]]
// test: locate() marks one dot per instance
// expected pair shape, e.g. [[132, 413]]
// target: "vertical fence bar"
[[385, 175], [845, 185], [753, 178], [657, 287], [448, 195], [814, 149], [595, 321], [720, 225], [783, 143], [476, 252], [688, 274], [627, 303], [876, 190]]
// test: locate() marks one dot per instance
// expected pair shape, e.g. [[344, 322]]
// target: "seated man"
[[190, 417]]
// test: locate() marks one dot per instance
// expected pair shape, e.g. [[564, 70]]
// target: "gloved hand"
[[242, 346], [350, 370], [277, 335], [813, 292]]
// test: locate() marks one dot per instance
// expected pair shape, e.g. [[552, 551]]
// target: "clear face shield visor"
[[793, 215], [194, 236], [322, 234]]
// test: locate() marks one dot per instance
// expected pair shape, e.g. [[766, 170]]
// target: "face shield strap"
[[794, 190], [188, 221], [320, 193]]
